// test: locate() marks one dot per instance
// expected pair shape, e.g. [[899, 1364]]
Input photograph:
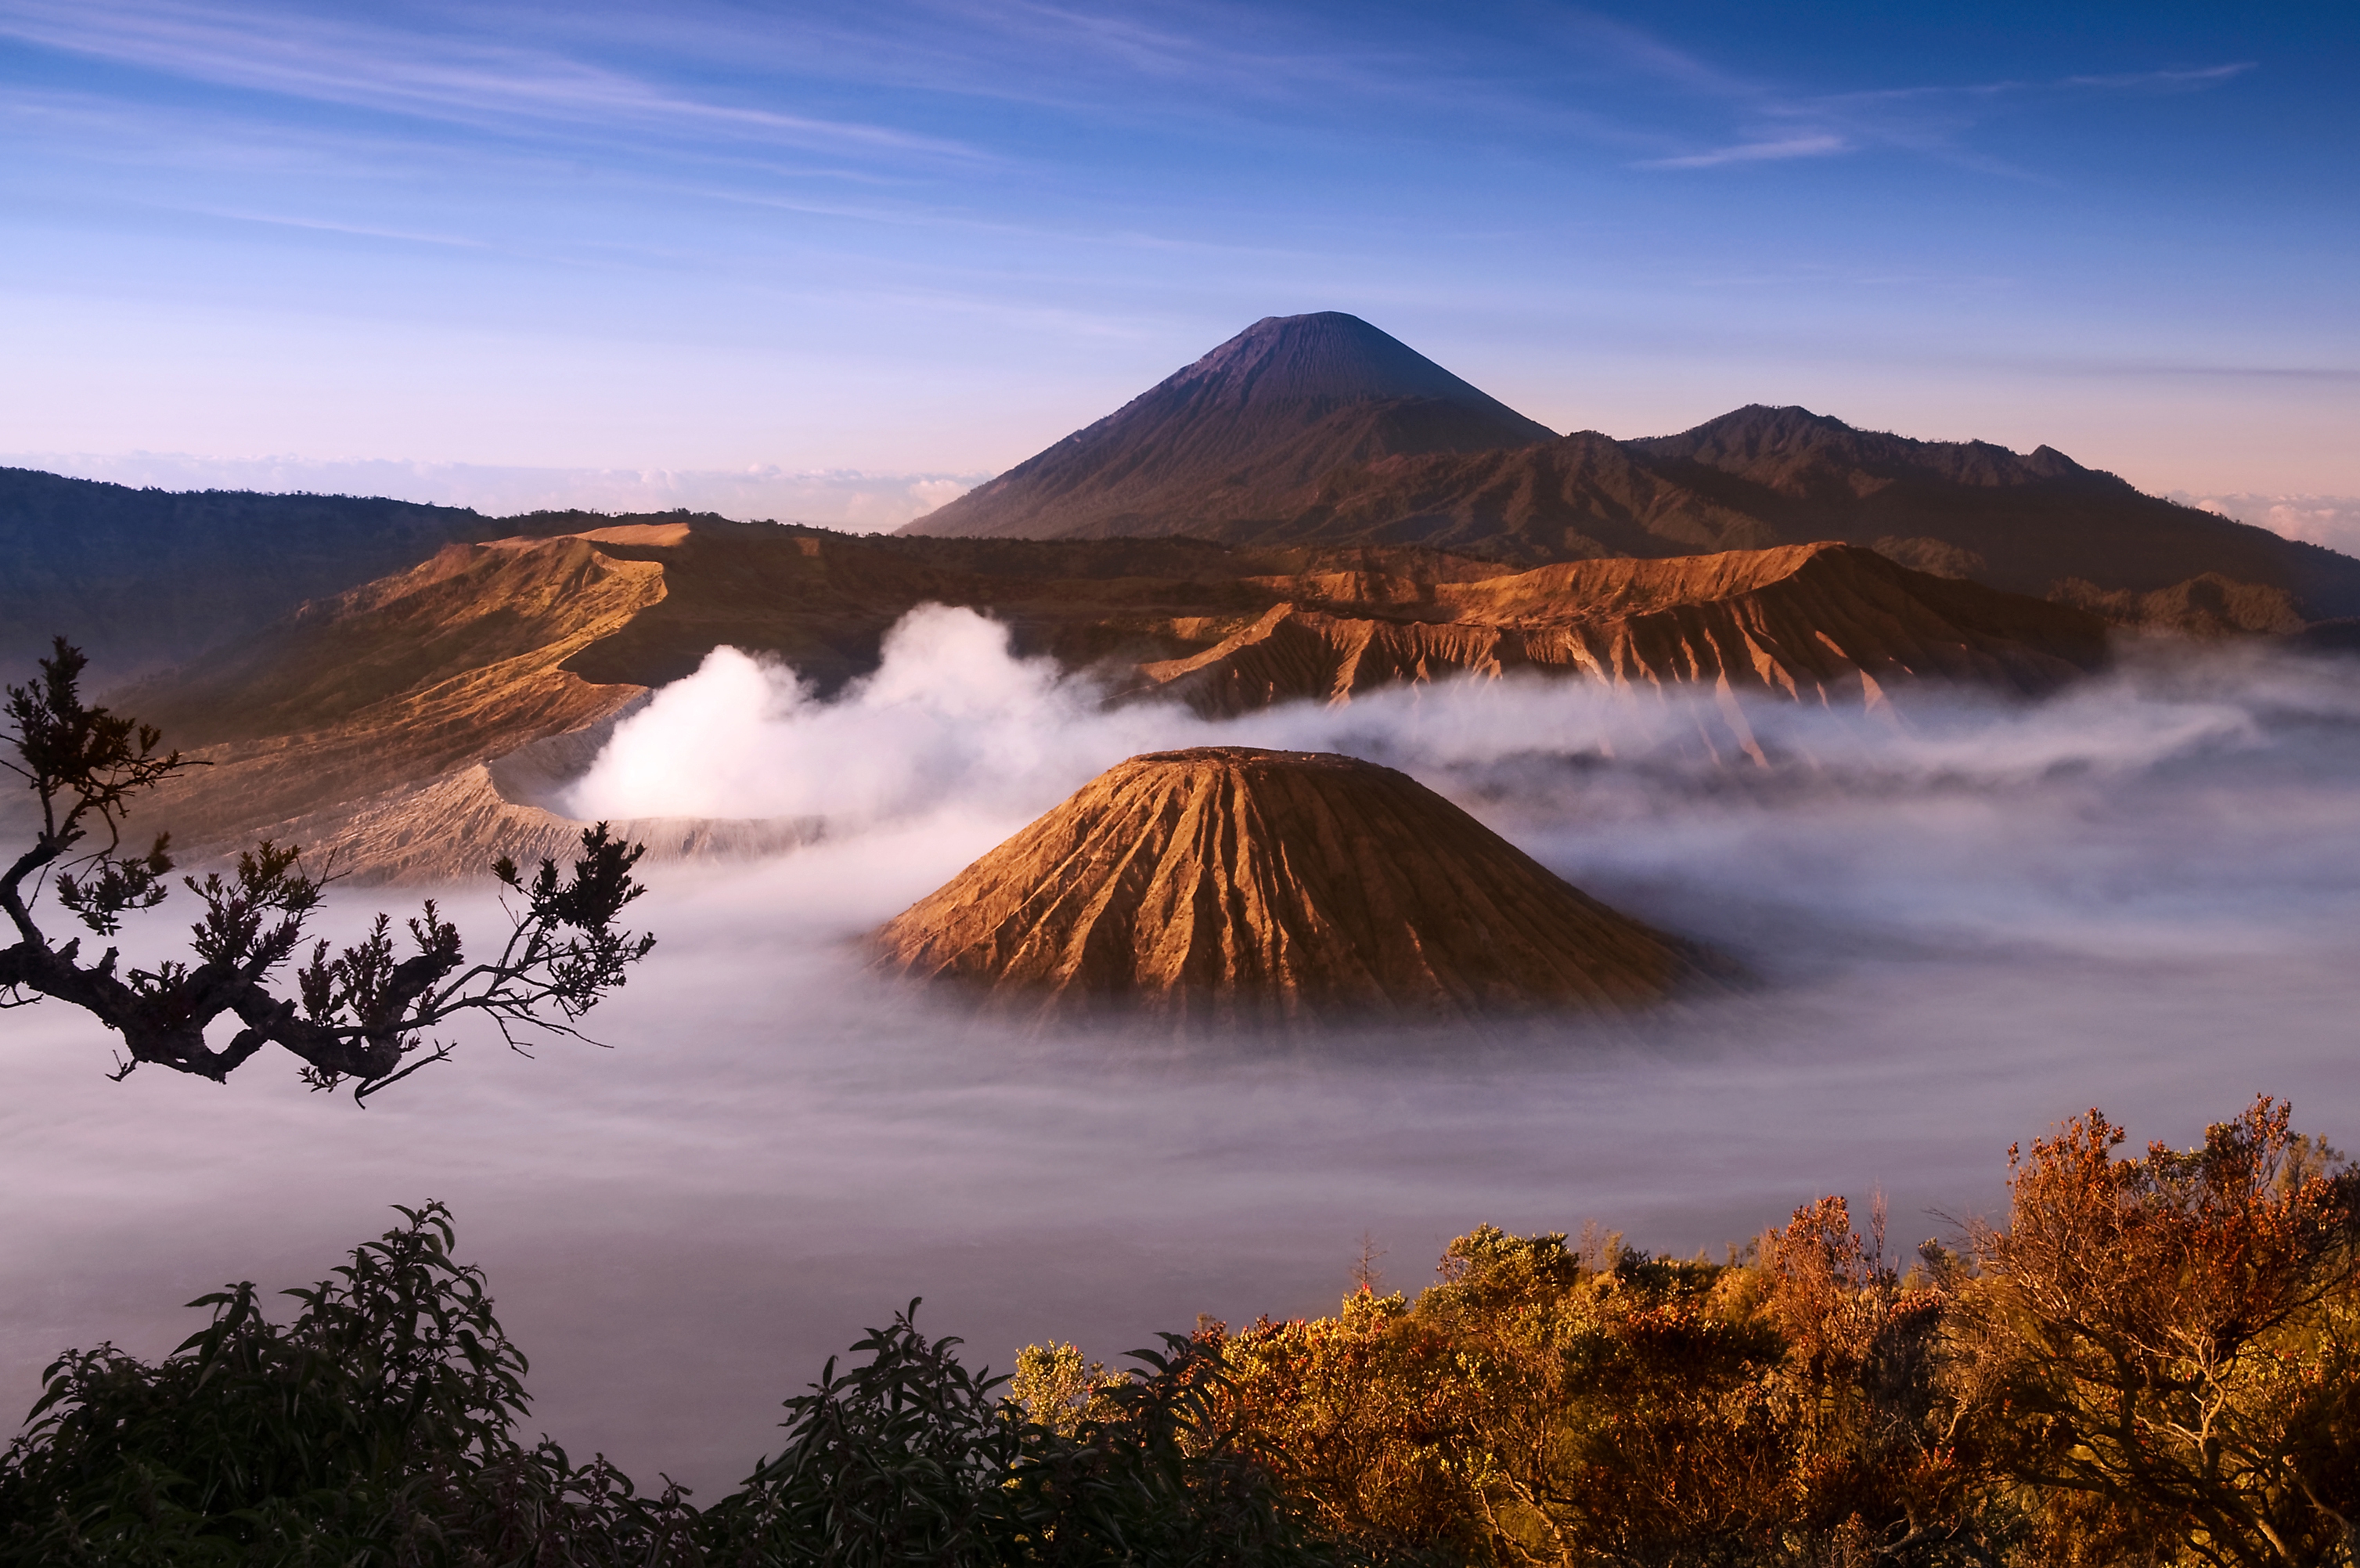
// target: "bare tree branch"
[[362, 1013]]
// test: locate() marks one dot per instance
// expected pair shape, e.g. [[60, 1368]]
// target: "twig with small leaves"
[[364, 1014]]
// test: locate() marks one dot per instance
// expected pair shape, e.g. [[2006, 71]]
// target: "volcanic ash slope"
[[1231, 885]]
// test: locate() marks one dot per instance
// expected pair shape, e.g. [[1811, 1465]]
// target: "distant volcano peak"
[[1247, 432], [1332, 358]]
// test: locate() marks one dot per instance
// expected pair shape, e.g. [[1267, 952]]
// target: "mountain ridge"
[[1757, 476], [1758, 432], [371, 697], [146, 580], [143, 578]]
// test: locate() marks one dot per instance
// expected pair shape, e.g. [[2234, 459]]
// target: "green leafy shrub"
[[378, 1426], [910, 1458]]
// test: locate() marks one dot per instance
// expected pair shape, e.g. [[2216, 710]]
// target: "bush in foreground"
[[380, 1426], [2156, 1361]]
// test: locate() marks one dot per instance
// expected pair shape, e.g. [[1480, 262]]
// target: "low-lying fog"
[[1970, 920]]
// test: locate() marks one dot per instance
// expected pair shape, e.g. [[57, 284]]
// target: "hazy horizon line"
[[856, 500]]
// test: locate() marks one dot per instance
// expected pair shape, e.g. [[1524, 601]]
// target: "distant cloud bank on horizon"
[[2331, 521], [853, 499], [850, 499]]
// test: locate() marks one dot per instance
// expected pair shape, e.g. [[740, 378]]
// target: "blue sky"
[[902, 240]]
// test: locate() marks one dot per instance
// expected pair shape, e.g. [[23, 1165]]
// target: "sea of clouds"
[[1968, 917]]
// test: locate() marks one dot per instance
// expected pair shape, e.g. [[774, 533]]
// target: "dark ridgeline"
[[148, 578], [143, 579], [1322, 430], [2024, 523]]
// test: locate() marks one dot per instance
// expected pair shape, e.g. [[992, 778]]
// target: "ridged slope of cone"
[[1234, 885]]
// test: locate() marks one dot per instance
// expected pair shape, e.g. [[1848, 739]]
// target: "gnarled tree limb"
[[362, 1013]]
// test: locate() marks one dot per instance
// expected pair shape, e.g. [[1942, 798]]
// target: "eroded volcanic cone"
[[1229, 884]]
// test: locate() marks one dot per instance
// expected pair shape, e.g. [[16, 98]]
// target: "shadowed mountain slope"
[[1580, 496], [2040, 524], [1227, 885], [141, 578], [1759, 478], [2029, 523], [1240, 433]]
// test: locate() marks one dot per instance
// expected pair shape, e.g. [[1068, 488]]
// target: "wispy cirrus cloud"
[[709, 81], [1819, 144], [1931, 119], [324, 226], [442, 75], [2163, 81]]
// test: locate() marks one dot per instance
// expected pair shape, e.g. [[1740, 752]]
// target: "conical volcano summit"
[[1239, 434], [1233, 885]]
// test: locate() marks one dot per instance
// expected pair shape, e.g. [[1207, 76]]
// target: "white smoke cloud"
[[952, 720], [950, 716]]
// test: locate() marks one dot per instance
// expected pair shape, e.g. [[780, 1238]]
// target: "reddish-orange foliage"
[[2168, 1348], [1538, 1407], [2156, 1361]]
